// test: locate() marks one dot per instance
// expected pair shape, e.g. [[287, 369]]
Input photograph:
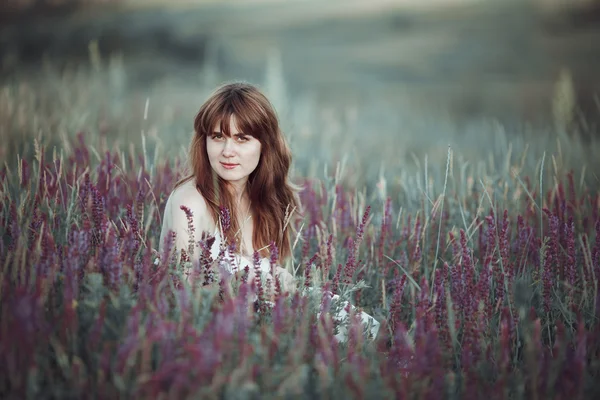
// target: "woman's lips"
[[229, 166]]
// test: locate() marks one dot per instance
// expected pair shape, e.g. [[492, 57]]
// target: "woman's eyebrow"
[[235, 134]]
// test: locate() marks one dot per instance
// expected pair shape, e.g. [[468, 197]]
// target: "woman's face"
[[233, 158]]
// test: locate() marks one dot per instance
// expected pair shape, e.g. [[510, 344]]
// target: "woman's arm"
[[187, 233], [287, 280]]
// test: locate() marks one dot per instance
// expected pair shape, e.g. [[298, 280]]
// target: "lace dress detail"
[[236, 262]]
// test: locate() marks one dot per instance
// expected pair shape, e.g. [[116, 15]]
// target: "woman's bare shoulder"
[[188, 195], [187, 191]]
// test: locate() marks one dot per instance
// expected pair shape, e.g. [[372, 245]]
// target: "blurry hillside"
[[473, 58]]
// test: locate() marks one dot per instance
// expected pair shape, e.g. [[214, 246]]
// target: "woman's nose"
[[228, 148]]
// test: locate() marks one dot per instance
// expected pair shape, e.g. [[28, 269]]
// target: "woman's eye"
[[242, 139], [216, 136]]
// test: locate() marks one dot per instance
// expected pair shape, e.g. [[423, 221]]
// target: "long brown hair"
[[273, 198]]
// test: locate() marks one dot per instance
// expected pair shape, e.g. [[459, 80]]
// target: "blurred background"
[[377, 72]]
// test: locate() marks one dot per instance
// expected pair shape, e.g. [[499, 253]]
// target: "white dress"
[[175, 220]]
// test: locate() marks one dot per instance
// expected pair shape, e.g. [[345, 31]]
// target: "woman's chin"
[[232, 177]]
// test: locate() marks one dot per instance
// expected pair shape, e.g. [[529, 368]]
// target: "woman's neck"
[[238, 190]]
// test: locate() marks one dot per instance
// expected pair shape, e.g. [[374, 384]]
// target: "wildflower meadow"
[[477, 248]]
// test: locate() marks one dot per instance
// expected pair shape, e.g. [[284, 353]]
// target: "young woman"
[[239, 162]]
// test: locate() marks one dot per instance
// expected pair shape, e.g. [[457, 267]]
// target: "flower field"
[[482, 269]]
